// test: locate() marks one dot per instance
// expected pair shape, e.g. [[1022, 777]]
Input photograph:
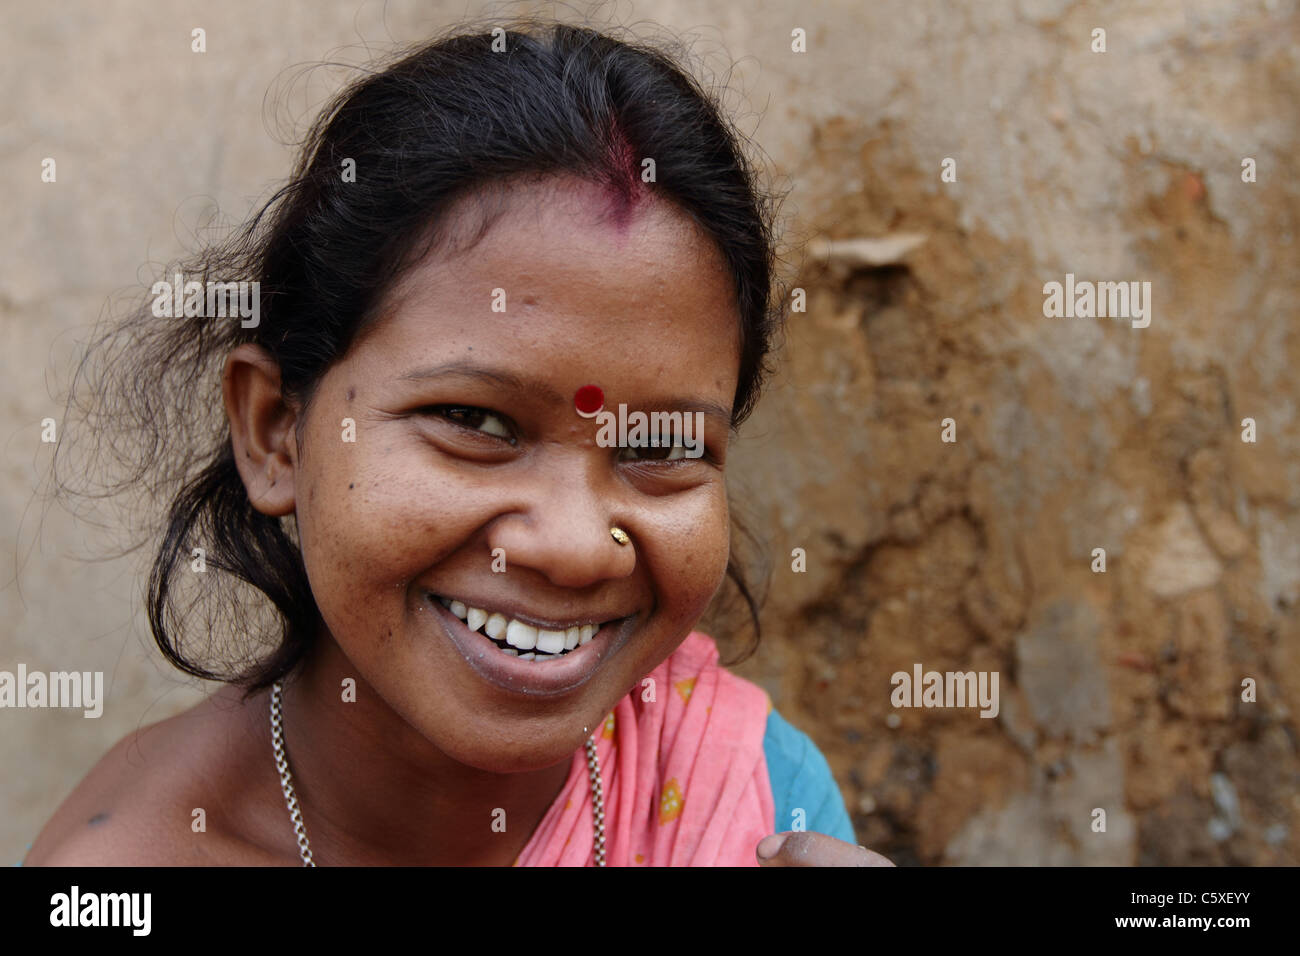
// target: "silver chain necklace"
[[295, 813]]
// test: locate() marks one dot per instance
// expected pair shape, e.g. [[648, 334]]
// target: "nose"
[[561, 528]]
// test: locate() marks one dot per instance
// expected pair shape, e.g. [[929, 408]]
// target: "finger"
[[805, 848]]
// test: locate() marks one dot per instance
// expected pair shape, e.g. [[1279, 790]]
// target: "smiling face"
[[469, 456]]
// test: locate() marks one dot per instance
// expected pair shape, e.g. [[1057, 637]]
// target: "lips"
[[560, 674]]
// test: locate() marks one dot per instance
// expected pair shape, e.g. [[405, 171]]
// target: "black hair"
[[456, 118]]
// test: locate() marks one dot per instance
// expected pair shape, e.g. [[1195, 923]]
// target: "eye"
[[474, 418], [669, 449]]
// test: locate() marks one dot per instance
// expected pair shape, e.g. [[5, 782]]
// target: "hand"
[[804, 848]]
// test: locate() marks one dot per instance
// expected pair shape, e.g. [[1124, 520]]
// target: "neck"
[[373, 791]]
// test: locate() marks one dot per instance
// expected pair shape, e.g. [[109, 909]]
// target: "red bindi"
[[588, 400]]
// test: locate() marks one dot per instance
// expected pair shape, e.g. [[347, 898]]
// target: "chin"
[[516, 756]]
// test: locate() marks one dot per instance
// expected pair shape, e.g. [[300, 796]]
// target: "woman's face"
[[472, 478]]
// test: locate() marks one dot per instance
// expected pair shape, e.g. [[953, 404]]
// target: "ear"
[[261, 429]]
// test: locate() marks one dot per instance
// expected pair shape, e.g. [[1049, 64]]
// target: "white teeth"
[[552, 642], [544, 644], [521, 635]]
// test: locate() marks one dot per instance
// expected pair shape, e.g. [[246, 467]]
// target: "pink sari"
[[685, 779]]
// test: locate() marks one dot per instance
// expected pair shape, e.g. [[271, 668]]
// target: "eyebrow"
[[515, 383], [484, 374], [710, 409]]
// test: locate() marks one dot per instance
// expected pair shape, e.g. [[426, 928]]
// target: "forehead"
[[567, 265], [577, 226]]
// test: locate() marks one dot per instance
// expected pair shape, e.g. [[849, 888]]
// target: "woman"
[[486, 597]]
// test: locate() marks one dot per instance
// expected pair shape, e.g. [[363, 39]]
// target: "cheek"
[[372, 518], [688, 555]]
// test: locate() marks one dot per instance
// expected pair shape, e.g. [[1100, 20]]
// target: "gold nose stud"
[[619, 535]]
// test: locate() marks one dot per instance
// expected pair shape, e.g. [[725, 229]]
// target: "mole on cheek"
[[352, 393]]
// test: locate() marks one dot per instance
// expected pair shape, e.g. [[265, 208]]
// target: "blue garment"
[[801, 780]]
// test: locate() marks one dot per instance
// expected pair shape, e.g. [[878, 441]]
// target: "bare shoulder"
[[186, 791]]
